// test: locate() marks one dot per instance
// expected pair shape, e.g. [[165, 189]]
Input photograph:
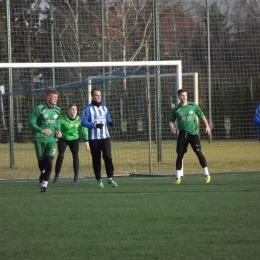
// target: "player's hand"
[[174, 131], [87, 146], [111, 124], [58, 134], [46, 131], [100, 126], [208, 131]]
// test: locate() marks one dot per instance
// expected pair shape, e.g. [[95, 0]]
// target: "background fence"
[[219, 40]]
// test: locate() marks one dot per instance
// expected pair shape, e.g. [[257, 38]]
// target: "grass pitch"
[[222, 156], [143, 218]]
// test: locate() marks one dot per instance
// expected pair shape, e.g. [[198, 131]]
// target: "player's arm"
[[172, 119], [201, 115], [85, 136], [84, 132], [257, 116], [205, 121], [172, 128], [109, 120], [58, 127], [59, 123], [34, 122], [34, 119], [85, 119]]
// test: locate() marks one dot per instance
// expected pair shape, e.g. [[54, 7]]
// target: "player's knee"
[[107, 157], [75, 156], [61, 155], [48, 160], [198, 153], [180, 156]]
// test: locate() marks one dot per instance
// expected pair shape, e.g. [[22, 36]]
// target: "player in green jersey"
[[70, 125], [44, 122], [186, 114]]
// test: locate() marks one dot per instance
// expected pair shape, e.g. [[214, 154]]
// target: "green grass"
[[143, 218], [222, 156]]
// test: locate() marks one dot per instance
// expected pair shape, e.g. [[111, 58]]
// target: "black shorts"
[[184, 139]]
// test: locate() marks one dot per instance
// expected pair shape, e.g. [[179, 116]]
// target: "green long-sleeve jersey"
[[70, 128], [45, 117]]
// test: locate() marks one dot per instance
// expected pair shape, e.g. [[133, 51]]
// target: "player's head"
[[51, 97], [183, 95], [72, 110], [96, 95]]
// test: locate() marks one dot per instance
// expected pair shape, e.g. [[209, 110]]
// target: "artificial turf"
[[142, 218]]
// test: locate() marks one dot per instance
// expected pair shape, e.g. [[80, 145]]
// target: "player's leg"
[[196, 146], [96, 160], [62, 144], [48, 167], [181, 149], [49, 152], [39, 150], [41, 165], [74, 148], [107, 157]]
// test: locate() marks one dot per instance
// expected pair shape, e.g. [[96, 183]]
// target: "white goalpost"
[[176, 63], [195, 87], [2, 92], [176, 74]]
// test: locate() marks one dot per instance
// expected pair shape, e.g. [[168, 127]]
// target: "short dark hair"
[[93, 91], [51, 91], [180, 91], [72, 105]]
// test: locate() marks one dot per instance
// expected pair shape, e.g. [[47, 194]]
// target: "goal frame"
[[52, 65]]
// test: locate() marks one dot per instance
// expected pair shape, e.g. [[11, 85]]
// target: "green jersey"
[[186, 117], [45, 117], [70, 128]]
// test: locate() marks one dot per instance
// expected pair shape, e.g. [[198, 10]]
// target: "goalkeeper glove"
[[87, 145], [100, 126], [111, 124]]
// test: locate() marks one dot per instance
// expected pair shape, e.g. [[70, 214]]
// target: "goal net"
[[139, 96]]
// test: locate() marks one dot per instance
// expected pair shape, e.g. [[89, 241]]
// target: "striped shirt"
[[93, 115]]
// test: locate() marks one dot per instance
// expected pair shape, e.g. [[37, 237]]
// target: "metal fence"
[[219, 40]]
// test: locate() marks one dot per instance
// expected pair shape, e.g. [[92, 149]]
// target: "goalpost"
[[194, 86], [2, 92], [145, 65]]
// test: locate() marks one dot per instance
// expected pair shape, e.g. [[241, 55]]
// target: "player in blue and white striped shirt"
[[96, 118]]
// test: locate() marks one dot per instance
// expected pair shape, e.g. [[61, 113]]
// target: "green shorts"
[[44, 149]]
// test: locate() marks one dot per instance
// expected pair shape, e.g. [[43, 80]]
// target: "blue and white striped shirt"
[[96, 115]]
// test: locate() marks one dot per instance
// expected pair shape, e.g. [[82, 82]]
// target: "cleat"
[[207, 179], [56, 178], [112, 182], [44, 189], [178, 181], [100, 184], [76, 178]]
